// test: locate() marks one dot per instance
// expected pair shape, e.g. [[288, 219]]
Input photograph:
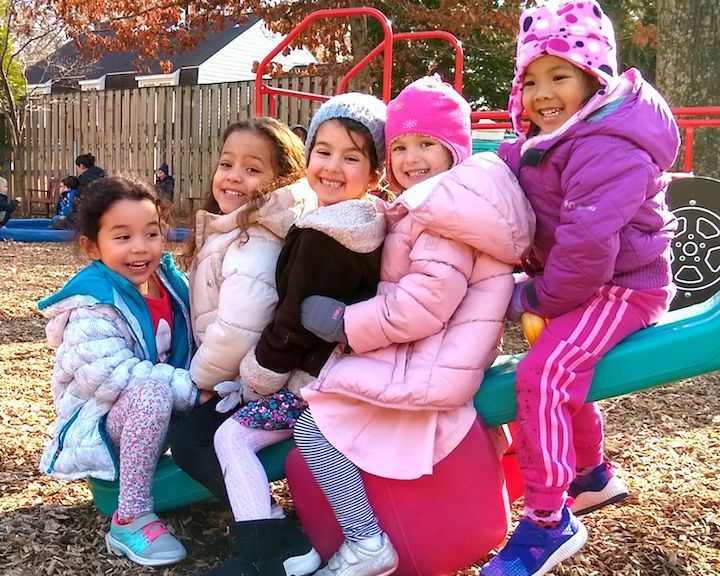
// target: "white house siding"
[[235, 61]]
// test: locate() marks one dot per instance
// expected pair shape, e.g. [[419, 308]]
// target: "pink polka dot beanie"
[[429, 107], [577, 31]]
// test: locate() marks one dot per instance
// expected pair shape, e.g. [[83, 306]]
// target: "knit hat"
[[577, 31], [164, 168], [430, 107], [363, 108]]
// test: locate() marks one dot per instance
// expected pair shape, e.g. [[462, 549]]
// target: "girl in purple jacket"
[[592, 165]]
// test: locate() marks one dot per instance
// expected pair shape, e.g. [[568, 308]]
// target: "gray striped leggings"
[[338, 478]]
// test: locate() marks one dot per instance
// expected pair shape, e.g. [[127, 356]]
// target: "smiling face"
[[339, 167], [129, 241], [414, 158], [245, 165], [553, 90]]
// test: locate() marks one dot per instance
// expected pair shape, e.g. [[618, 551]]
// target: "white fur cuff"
[[263, 380]]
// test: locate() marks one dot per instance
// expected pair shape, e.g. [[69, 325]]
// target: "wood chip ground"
[[666, 443]]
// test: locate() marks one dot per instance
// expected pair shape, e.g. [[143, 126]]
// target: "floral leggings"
[[137, 425]]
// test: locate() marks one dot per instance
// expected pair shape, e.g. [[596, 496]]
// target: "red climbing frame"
[[689, 119]]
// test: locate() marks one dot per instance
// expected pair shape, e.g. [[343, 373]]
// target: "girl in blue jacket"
[[122, 332]]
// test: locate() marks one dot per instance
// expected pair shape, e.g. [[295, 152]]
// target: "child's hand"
[[324, 317], [231, 394], [516, 308]]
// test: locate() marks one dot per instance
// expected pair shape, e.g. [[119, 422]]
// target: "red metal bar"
[[686, 120], [689, 148], [387, 45], [697, 111], [410, 36]]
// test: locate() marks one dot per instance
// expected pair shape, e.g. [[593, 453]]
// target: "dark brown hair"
[[101, 194]]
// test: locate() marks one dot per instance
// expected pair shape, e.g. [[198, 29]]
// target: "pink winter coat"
[[403, 400]]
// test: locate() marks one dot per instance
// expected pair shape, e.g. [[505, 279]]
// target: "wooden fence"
[[137, 130]]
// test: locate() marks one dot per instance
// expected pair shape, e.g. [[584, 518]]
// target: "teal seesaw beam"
[[682, 345]]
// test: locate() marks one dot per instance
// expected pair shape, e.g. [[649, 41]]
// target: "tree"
[[486, 27], [29, 30], [635, 24], [687, 69]]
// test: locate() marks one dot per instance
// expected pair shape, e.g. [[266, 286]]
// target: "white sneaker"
[[354, 560]]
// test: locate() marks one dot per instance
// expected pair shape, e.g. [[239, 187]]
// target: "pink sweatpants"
[[557, 431]]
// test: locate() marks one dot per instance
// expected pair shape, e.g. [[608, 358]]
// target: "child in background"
[[121, 327], [258, 190], [87, 171], [334, 250], [7, 206], [592, 165], [66, 205], [403, 400]]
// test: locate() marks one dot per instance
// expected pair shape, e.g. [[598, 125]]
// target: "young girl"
[[592, 167], [258, 190], [334, 250], [122, 331], [403, 400]]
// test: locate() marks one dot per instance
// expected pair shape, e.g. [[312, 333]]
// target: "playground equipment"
[[37, 230], [680, 346]]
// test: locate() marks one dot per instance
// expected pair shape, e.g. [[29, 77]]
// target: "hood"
[[635, 112], [478, 202], [356, 224], [97, 285], [283, 207]]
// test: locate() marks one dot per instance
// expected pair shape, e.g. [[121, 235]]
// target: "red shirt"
[[162, 319]]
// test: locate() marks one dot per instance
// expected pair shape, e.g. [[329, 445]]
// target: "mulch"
[[665, 441]]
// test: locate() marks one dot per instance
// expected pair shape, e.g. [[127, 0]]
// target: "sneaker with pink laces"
[[145, 541]]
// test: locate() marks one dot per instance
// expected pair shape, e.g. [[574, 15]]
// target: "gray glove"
[[231, 393], [324, 317]]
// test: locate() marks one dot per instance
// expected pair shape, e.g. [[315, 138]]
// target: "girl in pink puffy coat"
[[402, 401]]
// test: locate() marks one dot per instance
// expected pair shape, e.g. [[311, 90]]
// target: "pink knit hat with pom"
[[429, 107], [577, 31]]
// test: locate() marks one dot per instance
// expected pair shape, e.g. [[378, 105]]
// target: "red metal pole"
[[260, 87]]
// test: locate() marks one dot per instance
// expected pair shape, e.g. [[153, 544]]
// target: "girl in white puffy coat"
[[121, 327], [258, 191]]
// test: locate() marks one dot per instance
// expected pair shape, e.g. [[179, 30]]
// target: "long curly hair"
[[288, 163]]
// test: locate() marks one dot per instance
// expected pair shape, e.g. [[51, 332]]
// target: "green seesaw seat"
[[682, 345]]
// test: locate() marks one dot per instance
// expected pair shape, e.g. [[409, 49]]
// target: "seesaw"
[[681, 346]]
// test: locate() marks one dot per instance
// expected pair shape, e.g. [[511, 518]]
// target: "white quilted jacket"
[[232, 281], [98, 357]]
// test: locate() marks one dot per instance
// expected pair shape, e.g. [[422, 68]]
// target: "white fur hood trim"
[[356, 224], [283, 206]]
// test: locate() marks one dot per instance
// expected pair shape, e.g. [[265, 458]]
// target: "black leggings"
[[191, 443]]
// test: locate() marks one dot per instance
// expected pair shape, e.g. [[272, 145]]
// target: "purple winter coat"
[[598, 192]]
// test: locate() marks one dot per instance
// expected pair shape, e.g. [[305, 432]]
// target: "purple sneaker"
[[596, 489], [533, 551]]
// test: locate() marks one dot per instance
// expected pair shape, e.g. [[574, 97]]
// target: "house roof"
[[60, 62]]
